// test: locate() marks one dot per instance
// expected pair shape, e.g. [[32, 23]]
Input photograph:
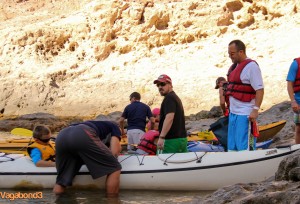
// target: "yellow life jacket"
[[48, 151]]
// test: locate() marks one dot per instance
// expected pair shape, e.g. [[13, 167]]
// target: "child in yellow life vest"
[[42, 150]]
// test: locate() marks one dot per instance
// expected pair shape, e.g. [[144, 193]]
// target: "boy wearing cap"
[[173, 136], [221, 84]]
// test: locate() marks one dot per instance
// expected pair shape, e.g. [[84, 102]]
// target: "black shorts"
[[78, 145]]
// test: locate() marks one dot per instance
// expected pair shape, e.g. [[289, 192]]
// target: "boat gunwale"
[[166, 170]]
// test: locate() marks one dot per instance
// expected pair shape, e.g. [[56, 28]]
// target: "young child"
[[155, 113], [147, 146], [42, 150]]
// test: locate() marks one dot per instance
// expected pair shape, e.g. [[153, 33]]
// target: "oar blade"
[[21, 132]]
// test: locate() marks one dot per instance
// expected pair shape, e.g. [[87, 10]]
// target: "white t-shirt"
[[251, 74]]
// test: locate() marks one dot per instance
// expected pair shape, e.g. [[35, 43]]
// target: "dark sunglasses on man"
[[161, 84]]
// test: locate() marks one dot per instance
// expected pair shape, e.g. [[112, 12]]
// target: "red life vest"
[[235, 87], [147, 142], [297, 80]]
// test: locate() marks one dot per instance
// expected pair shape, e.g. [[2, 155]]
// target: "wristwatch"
[[256, 107]]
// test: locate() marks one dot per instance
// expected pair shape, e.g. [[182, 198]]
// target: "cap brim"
[[217, 86], [159, 80]]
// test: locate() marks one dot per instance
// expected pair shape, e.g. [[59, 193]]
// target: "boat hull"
[[183, 171], [270, 130]]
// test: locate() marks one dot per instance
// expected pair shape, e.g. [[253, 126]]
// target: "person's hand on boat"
[[160, 143]]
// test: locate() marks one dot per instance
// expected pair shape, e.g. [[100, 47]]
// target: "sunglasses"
[[45, 140], [161, 84]]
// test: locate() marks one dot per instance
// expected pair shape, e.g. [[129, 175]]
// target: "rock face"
[[85, 57], [62, 61], [275, 192], [289, 168]]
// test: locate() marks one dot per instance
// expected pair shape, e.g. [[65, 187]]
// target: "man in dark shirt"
[[173, 136], [83, 143], [135, 113]]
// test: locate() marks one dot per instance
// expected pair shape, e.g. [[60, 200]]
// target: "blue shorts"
[[239, 137]]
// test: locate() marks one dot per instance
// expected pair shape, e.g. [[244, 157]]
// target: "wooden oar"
[[21, 132]]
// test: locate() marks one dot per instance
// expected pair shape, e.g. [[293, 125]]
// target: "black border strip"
[[160, 170]]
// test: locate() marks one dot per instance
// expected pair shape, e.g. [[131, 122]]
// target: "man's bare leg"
[[112, 184], [58, 189]]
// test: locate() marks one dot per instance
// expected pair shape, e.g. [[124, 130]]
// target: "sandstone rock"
[[289, 167], [55, 125], [115, 116], [35, 116], [68, 57], [233, 5], [226, 19], [270, 192], [294, 174], [246, 21]]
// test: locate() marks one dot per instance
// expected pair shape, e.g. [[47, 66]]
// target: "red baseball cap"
[[163, 78]]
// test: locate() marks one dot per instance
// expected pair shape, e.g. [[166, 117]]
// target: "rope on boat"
[[140, 162], [4, 155], [165, 162], [199, 159]]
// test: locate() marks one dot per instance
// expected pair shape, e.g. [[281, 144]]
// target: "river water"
[[98, 196]]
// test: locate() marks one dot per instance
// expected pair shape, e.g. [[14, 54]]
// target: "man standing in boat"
[[293, 88], [135, 113], [173, 135], [245, 90]]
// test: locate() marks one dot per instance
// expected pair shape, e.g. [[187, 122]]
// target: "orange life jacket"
[[147, 142], [235, 87], [48, 151], [297, 80]]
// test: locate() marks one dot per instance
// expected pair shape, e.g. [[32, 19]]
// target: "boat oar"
[[21, 132], [23, 135]]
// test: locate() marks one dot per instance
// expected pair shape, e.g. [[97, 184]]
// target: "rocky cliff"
[[84, 57]]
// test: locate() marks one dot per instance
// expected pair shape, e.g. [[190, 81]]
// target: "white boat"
[[182, 171]]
